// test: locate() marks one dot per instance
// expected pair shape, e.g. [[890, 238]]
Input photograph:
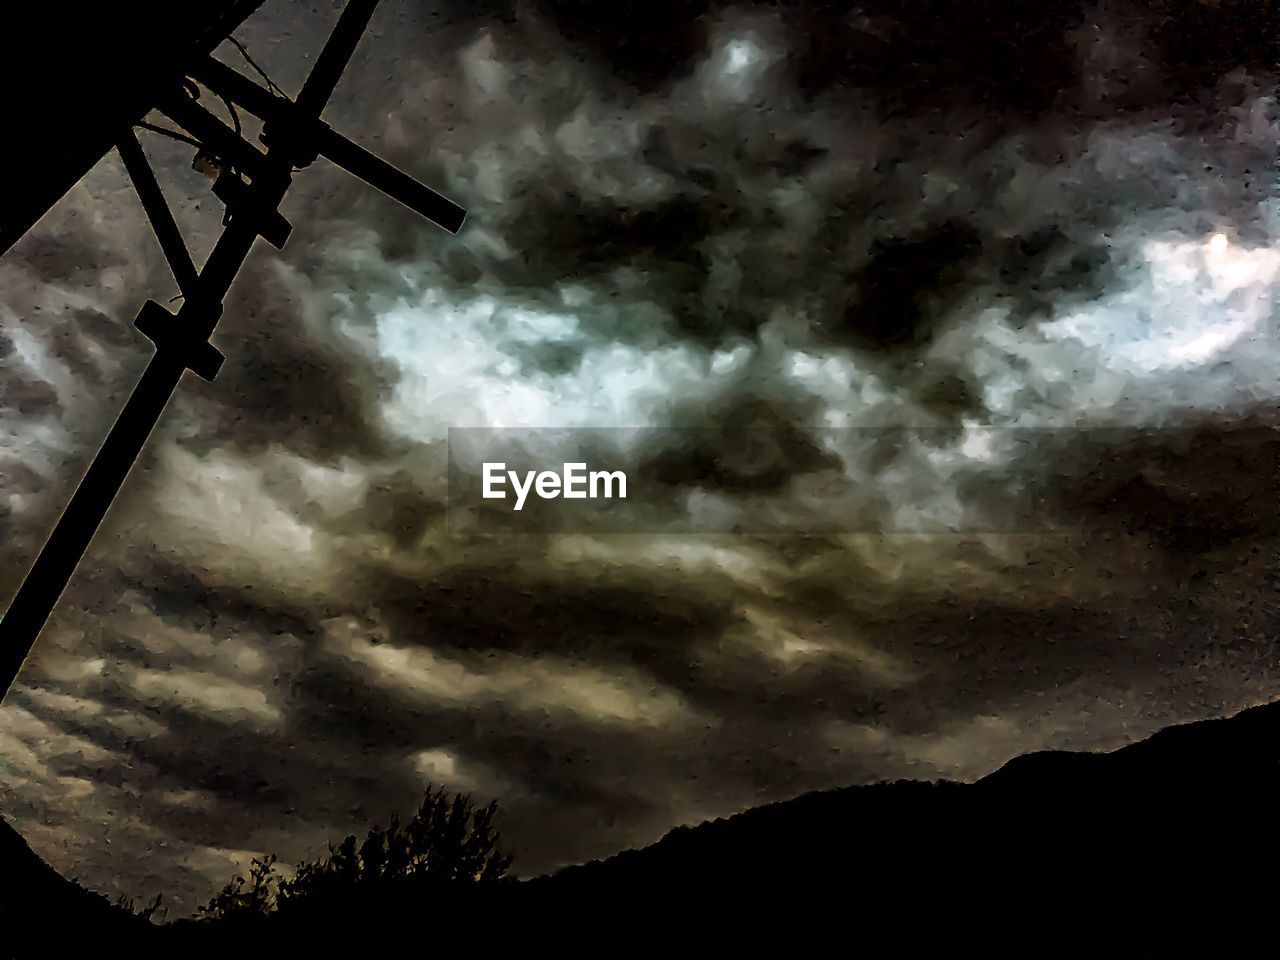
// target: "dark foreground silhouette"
[[1162, 844]]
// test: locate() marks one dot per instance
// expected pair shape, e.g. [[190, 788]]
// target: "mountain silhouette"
[[1163, 842], [40, 908]]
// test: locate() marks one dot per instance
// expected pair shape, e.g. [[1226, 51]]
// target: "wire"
[[172, 134], [235, 117], [257, 69]]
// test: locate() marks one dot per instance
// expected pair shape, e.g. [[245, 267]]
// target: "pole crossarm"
[[292, 132], [157, 211], [309, 136]]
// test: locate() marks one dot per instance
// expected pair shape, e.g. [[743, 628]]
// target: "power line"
[[171, 134], [257, 69]]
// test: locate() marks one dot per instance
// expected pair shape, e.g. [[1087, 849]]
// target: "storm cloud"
[[1059, 256]]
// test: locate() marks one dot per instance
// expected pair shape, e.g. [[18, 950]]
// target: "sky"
[[1060, 256]]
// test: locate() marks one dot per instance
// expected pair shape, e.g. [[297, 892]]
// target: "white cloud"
[[540, 686]]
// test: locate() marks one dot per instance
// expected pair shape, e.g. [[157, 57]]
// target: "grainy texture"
[[795, 218]]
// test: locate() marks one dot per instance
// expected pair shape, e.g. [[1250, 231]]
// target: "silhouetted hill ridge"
[[1184, 816], [35, 900], [1177, 826]]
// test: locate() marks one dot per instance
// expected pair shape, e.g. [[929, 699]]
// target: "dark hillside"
[[1181, 827], [1163, 842]]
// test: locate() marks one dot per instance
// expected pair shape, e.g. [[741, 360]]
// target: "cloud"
[[541, 686], [750, 218]]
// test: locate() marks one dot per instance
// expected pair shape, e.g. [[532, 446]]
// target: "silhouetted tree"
[[256, 895], [146, 912], [449, 840]]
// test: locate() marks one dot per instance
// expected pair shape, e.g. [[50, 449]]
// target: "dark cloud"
[[1044, 238]]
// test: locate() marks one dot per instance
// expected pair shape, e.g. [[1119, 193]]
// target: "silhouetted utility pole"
[[251, 182]]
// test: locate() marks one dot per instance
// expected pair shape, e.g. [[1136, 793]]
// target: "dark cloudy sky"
[[795, 219]]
